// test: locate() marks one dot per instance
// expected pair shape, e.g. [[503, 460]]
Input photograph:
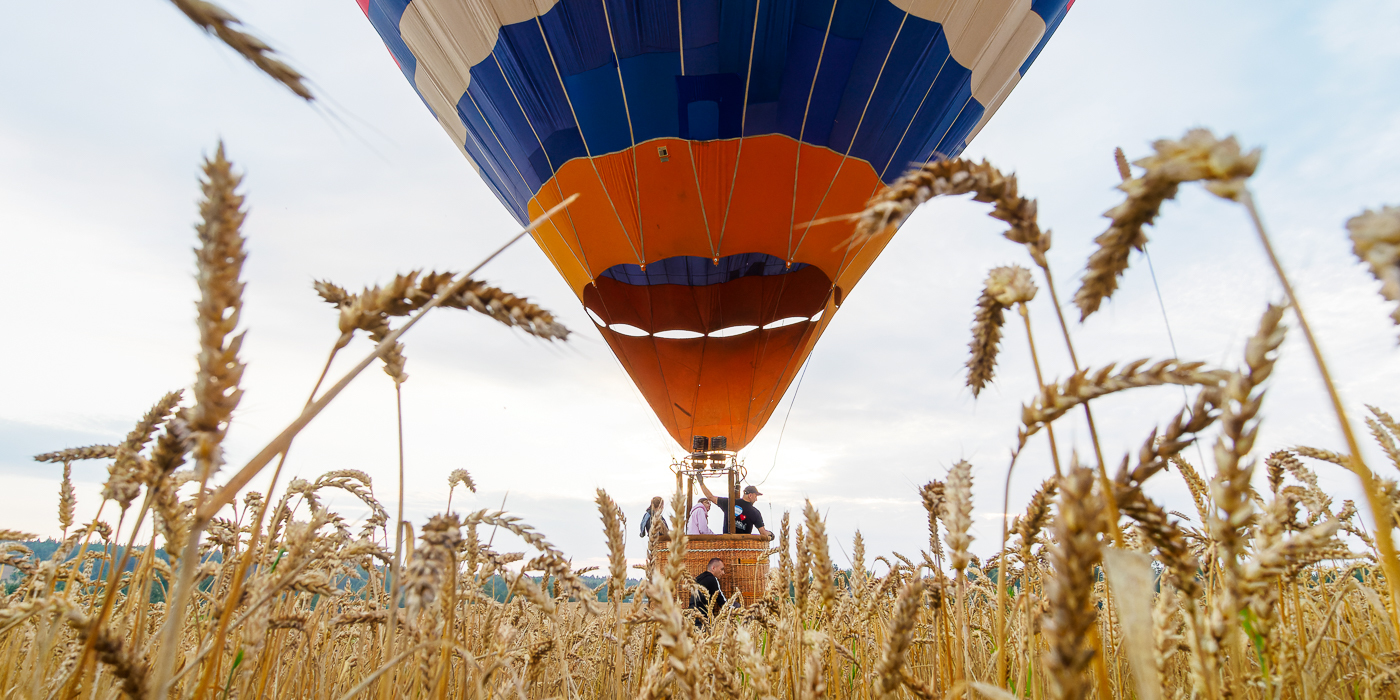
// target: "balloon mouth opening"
[[682, 334], [696, 271], [690, 297]]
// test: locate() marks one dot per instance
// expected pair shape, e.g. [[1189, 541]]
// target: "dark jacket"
[[654, 520], [711, 585]]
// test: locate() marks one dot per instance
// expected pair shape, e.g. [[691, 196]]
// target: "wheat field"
[[1268, 590]]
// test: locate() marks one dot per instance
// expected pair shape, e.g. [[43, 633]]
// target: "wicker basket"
[[745, 560]]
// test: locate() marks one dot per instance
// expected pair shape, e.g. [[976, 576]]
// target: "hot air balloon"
[[702, 136]]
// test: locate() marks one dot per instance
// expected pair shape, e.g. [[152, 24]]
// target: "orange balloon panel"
[[718, 260], [706, 199], [716, 386]]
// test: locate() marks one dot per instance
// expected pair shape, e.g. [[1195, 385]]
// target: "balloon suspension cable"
[[1171, 340], [786, 416]]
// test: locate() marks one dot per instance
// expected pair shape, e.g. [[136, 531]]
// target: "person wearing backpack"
[[652, 517]]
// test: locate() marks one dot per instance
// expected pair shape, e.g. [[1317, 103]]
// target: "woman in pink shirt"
[[699, 523]]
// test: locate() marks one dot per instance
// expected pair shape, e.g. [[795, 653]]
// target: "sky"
[[109, 107]]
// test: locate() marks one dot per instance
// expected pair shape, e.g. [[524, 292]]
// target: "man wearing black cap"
[[746, 516]]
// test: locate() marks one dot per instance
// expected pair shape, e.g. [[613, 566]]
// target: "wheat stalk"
[[611, 516], [1074, 557], [898, 638], [216, 390], [822, 570], [1375, 498]]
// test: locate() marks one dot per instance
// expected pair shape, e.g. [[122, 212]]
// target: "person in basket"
[[746, 516], [654, 517], [699, 523]]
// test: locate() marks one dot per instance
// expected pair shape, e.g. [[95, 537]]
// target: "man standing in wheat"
[[746, 516], [713, 599]]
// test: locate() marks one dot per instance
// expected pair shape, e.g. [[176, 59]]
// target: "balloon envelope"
[[702, 136]]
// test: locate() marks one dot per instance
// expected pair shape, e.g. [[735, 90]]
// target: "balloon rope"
[[786, 416], [1172, 341]]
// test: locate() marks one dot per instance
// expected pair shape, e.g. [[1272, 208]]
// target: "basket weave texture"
[[745, 560]]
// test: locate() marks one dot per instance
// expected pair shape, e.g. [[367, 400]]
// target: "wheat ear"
[[957, 515], [1071, 590], [857, 562], [220, 264], [1197, 156], [933, 495], [128, 471], [1057, 399], [1375, 238], [893, 205], [217, 21], [67, 499], [1231, 485], [1005, 286], [113, 651], [785, 575], [680, 542], [216, 389], [899, 636], [74, 454], [822, 570], [611, 516], [802, 573], [458, 476]]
